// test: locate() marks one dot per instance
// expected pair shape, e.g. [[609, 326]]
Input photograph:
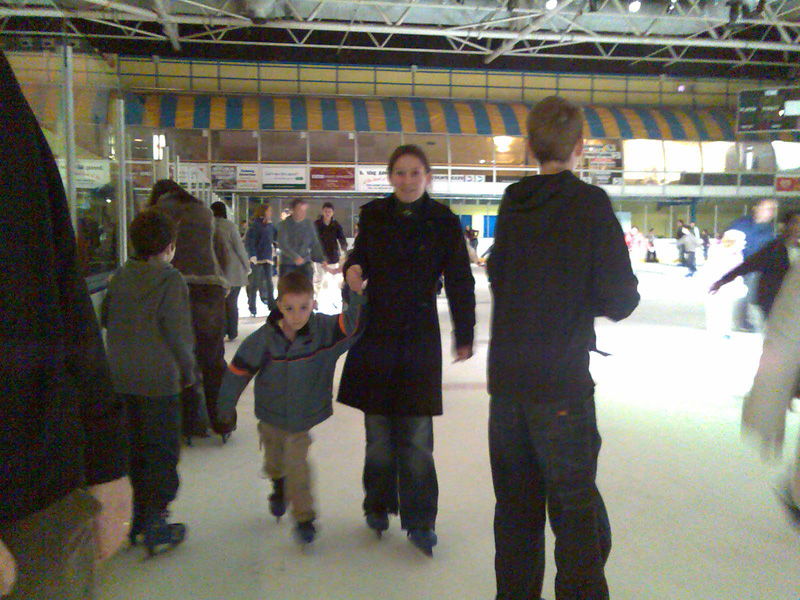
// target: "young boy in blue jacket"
[[293, 358]]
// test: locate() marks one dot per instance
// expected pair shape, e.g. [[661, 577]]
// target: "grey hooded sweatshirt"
[[150, 339]]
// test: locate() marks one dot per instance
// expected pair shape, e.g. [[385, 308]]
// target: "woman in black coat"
[[406, 242]]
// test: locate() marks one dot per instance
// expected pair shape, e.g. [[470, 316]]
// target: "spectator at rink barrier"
[[559, 261], [771, 262], [758, 231], [678, 236], [394, 373], [201, 259], [719, 306], [293, 358], [151, 354], [776, 382], [298, 242], [333, 241], [66, 499], [259, 242], [689, 243], [236, 269], [651, 256]]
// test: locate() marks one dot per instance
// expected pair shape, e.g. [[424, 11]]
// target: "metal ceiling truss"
[[602, 30]]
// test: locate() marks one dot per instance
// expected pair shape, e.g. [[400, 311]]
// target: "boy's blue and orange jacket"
[[294, 380]]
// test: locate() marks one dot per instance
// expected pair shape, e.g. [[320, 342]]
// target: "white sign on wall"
[[372, 179], [89, 174], [248, 177], [284, 177], [193, 174]]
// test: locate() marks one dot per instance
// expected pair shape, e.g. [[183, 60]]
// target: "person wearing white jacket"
[[776, 383], [236, 270]]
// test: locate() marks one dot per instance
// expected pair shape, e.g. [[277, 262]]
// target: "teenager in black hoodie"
[[559, 261]]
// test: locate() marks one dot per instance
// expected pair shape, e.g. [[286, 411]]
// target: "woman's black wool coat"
[[395, 369]]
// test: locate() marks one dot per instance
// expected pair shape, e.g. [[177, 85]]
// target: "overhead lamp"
[[634, 6], [502, 143], [551, 4], [672, 5]]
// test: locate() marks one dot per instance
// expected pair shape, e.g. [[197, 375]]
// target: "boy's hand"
[[463, 353], [355, 278], [299, 261], [8, 570]]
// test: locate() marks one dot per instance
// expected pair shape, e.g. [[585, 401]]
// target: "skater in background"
[[237, 268], [150, 343], [201, 259], [299, 243], [66, 498], [689, 242], [293, 359], [705, 238], [651, 256], [406, 242], [771, 263], [719, 304], [559, 261], [258, 242]]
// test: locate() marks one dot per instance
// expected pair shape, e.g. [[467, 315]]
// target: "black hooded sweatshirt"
[[559, 260]]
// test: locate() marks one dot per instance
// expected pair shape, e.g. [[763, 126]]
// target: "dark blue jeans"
[[544, 460], [260, 282], [154, 431], [399, 474]]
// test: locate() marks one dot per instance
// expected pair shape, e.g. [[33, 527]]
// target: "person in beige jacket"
[[776, 383], [237, 268]]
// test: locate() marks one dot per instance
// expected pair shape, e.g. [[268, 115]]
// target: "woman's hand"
[[355, 278], [299, 261], [8, 570], [463, 353], [112, 524]]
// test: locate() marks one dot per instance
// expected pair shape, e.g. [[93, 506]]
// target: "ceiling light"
[[634, 6], [551, 4]]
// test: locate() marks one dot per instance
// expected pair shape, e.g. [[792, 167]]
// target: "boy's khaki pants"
[[286, 456]]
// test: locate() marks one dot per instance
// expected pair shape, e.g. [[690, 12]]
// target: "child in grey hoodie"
[[151, 356], [293, 358]]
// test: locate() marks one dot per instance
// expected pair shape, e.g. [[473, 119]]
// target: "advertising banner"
[[248, 177], [193, 174], [787, 184], [89, 174], [284, 177], [333, 178], [223, 177], [373, 179]]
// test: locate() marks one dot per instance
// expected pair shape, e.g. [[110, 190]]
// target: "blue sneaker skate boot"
[[160, 536], [277, 500], [378, 522], [305, 532], [423, 538]]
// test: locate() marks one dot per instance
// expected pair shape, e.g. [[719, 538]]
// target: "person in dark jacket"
[[772, 262], [259, 241], [63, 444], [331, 235], [200, 257], [393, 374], [559, 261], [151, 354], [758, 231], [298, 242]]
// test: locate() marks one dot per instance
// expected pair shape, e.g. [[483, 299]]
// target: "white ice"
[[692, 510]]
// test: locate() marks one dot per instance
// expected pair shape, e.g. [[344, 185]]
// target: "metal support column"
[[716, 218], [68, 98], [122, 182]]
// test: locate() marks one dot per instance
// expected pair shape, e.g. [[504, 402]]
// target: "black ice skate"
[[277, 502], [423, 538], [160, 536], [305, 532], [378, 522]]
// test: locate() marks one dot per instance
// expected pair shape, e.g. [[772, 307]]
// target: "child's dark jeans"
[[154, 430], [544, 458]]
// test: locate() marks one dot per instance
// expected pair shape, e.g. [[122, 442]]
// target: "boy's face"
[[296, 309]]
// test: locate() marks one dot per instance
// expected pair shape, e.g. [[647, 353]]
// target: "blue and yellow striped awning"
[[411, 115]]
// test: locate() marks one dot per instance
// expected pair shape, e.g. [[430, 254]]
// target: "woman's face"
[[409, 178]]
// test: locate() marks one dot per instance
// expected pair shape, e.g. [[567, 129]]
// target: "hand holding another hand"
[[8, 570], [355, 278]]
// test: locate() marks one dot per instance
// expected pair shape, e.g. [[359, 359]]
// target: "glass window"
[[716, 157], [283, 147], [754, 157], [475, 149], [189, 145], [682, 162], [141, 143], [96, 233], [376, 148], [336, 147], [787, 155], [434, 146], [234, 146], [515, 155], [643, 161], [601, 162], [508, 176]]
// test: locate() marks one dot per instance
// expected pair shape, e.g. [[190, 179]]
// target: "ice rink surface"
[[692, 510]]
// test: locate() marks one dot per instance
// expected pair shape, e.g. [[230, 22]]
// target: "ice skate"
[[423, 538], [378, 522], [160, 536], [277, 501], [305, 532]]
